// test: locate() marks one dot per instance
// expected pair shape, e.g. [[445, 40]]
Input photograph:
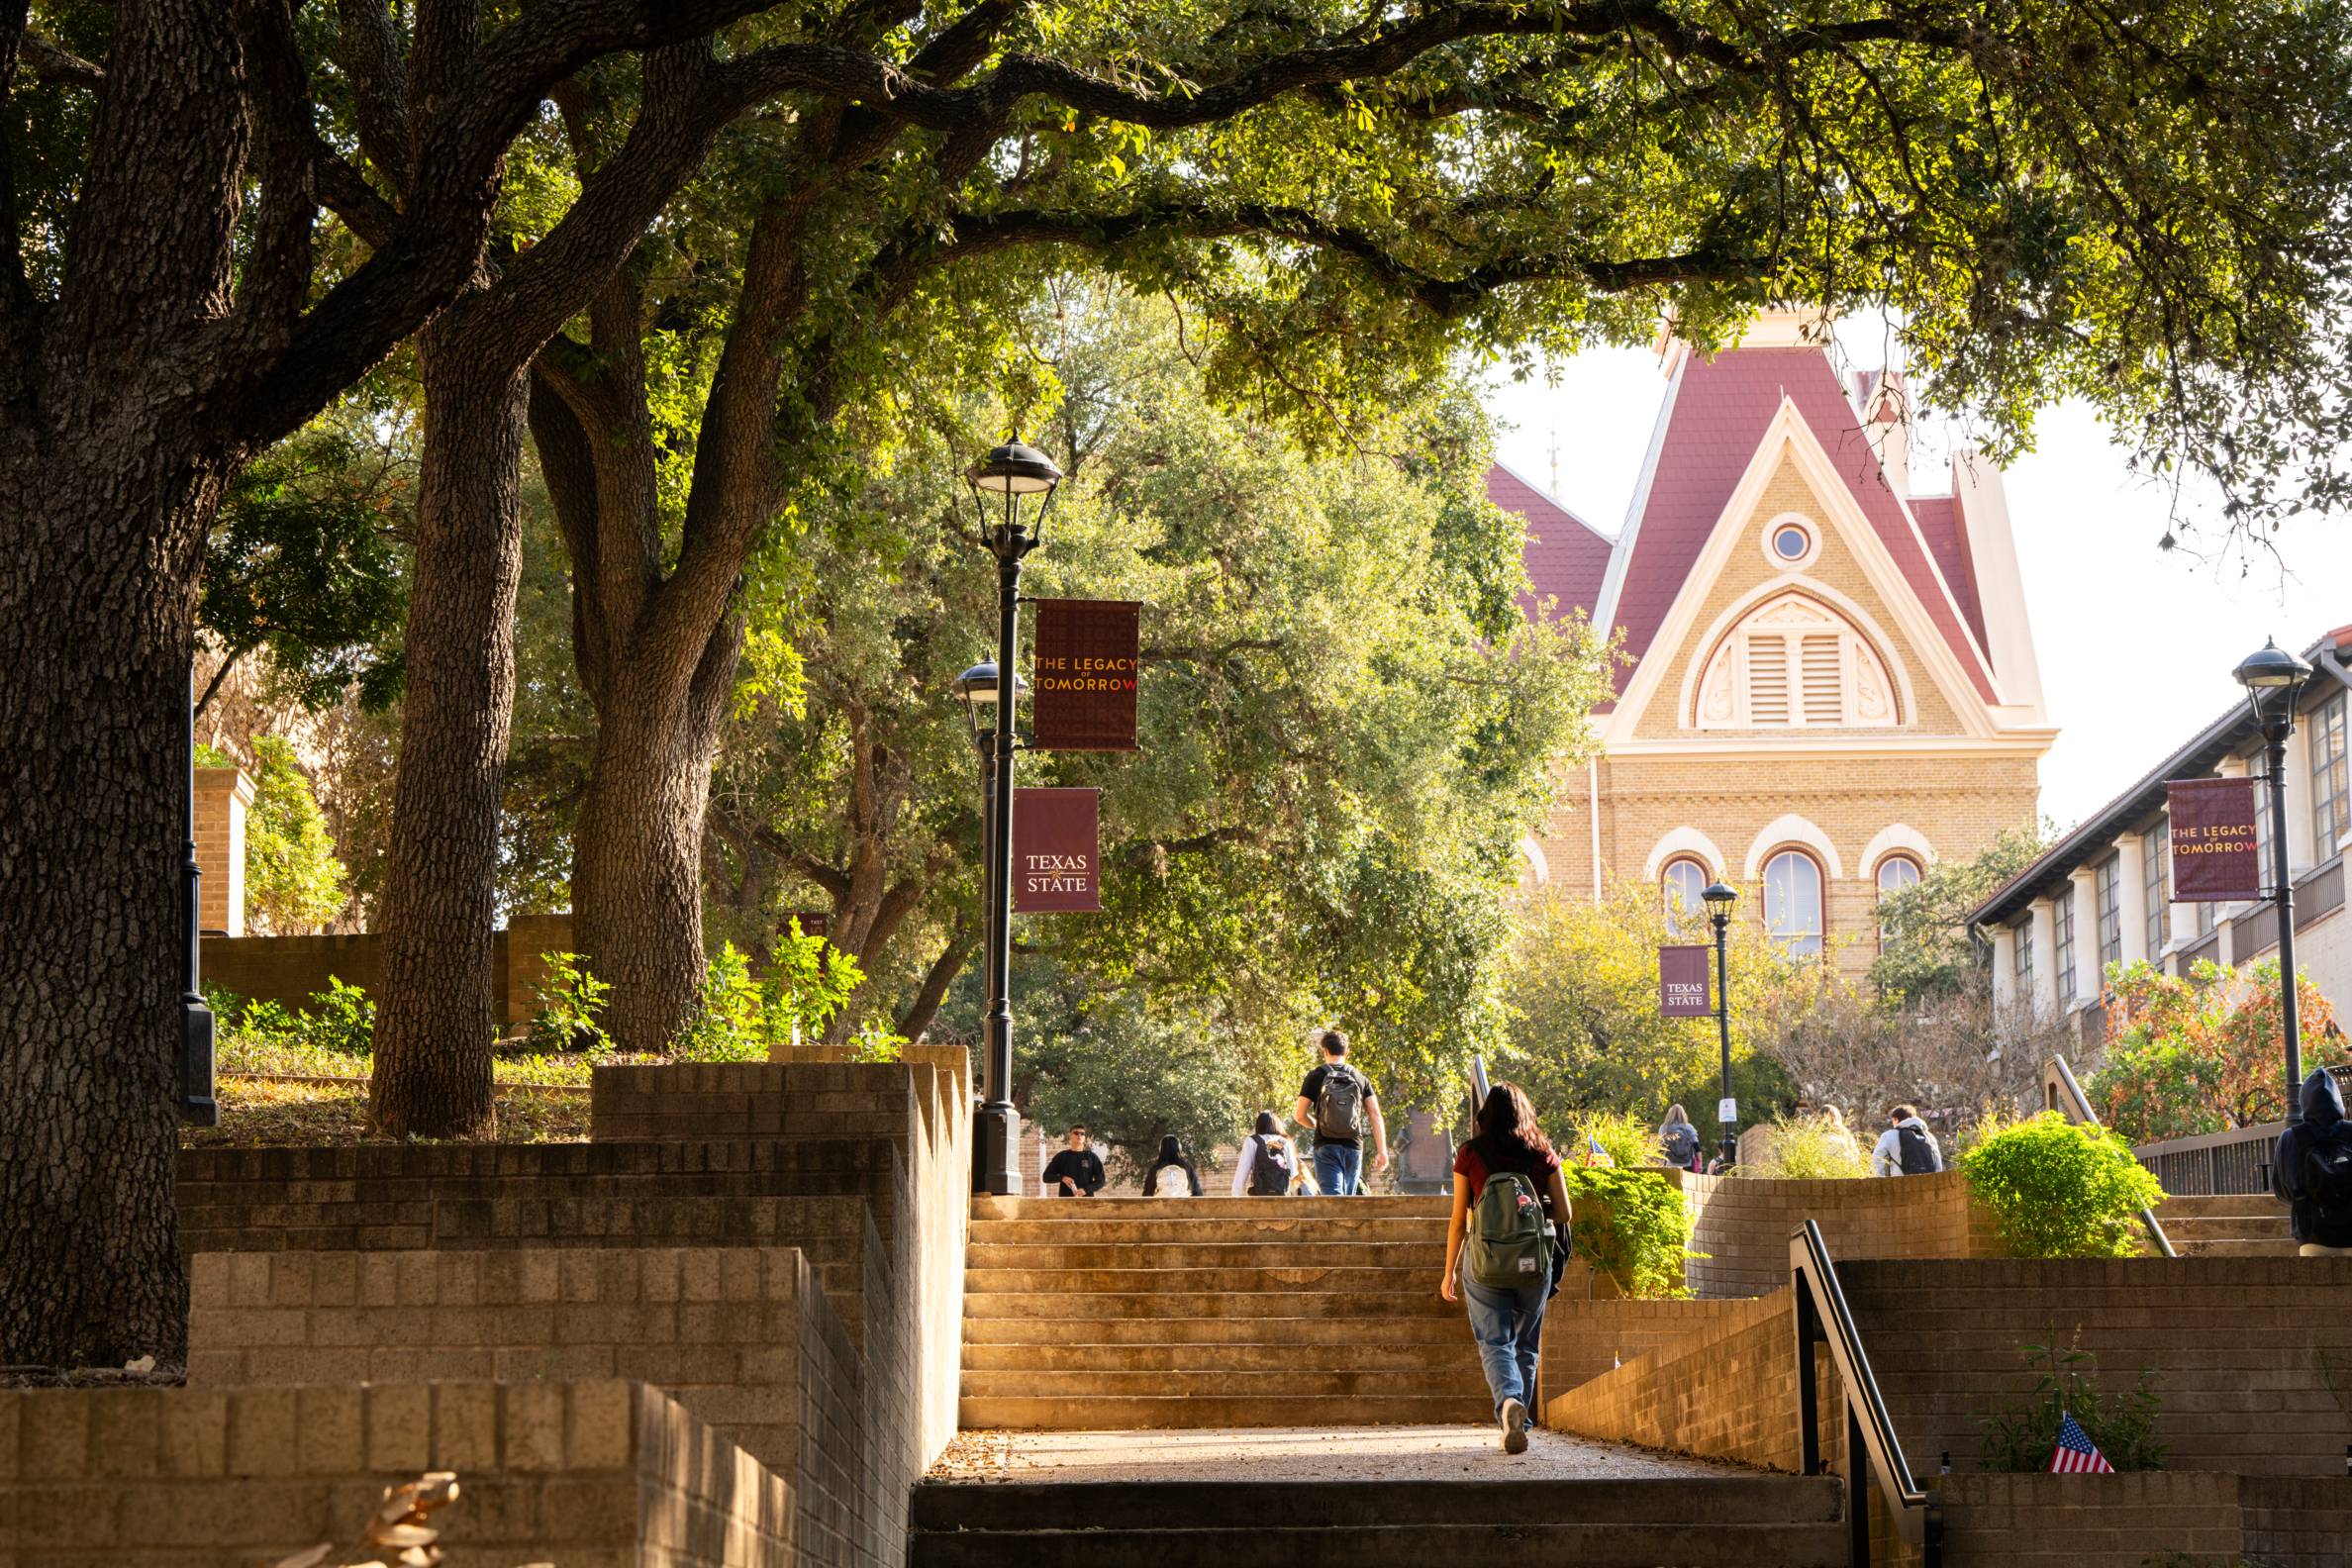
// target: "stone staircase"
[[1754, 1521], [2230, 1225], [1213, 1311]]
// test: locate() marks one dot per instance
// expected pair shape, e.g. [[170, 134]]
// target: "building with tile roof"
[[1829, 680]]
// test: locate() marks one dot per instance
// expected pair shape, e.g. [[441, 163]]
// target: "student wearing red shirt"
[[1507, 1323]]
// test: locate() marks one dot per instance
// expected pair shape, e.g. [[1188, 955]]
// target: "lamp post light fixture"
[[2272, 677], [1718, 899], [1012, 487], [196, 1102]]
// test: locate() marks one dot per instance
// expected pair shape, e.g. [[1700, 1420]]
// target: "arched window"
[[1794, 663], [1894, 873], [1683, 879], [1792, 902]]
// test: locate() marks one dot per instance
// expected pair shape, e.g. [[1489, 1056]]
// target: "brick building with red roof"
[[1828, 681]]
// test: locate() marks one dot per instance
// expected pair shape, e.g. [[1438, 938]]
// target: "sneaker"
[[1515, 1426]]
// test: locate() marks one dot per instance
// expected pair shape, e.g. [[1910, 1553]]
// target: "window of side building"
[[2107, 883], [1685, 880], [1792, 902], [2062, 921], [2155, 846], [2021, 957], [2331, 777], [1894, 873]]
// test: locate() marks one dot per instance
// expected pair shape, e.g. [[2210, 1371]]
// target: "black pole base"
[[996, 1151], [197, 1104]]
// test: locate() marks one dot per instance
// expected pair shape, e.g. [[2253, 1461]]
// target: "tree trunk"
[[93, 714], [433, 1017], [637, 847]]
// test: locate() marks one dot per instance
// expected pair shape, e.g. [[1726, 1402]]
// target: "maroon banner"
[[1083, 697], [1682, 983], [2215, 854], [1055, 863]]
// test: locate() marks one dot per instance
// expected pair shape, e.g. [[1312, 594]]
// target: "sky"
[[2136, 644]]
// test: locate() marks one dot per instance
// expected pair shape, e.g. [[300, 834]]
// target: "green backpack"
[[1507, 1247]]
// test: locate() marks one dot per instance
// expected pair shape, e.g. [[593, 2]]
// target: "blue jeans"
[[1338, 1170], [1508, 1328]]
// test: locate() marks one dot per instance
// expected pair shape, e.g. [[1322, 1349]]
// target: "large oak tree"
[[2139, 206]]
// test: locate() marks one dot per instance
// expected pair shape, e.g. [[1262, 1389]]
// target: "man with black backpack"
[[1906, 1147], [2311, 1171], [1338, 1101]]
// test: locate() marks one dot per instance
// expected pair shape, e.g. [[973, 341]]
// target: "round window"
[[1789, 543]]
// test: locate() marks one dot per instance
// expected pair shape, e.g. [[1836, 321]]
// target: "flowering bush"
[[2197, 1053]]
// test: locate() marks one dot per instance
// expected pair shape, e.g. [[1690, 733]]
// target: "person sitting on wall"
[[2312, 1170], [1906, 1147], [1075, 1172]]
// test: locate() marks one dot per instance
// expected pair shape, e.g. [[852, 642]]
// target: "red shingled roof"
[[1721, 413], [1939, 521], [1566, 556]]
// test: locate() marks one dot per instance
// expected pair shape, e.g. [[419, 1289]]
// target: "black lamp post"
[[1003, 482], [196, 1103], [1718, 899], [2272, 677]]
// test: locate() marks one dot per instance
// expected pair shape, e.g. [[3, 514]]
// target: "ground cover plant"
[[2019, 1436]]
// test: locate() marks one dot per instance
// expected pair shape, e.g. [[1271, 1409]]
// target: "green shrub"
[[570, 1002], [2059, 1190], [1810, 1148], [1629, 1142], [332, 1037], [2020, 1438], [293, 880], [741, 1017], [1636, 1228]]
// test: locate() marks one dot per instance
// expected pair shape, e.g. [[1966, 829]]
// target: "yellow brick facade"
[[1944, 776]]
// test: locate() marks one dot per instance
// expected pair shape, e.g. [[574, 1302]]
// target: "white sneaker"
[[1515, 1426]]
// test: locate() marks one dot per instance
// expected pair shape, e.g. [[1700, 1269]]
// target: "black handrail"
[[1823, 1318], [2077, 1108]]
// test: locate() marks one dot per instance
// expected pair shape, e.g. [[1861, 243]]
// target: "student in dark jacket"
[[1076, 1172], [2323, 1232], [1174, 1167]]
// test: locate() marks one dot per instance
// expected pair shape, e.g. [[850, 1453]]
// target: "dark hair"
[[1075, 1126], [1903, 1113], [1507, 1123], [1334, 1041], [1267, 1124], [1171, 1151]]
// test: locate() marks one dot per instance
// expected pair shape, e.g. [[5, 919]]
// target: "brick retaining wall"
[[2253, 1355], [594, 1474], [1743, 1224]]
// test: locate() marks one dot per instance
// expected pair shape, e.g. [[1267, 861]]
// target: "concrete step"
[[1221, 1255], [987, 1330], [1341, 1280], [1297, 1209], [1057, 1413], [1782, 1522], [1342, 1352], [2201, 1206], [1090, 1307], [2238, 1247], [1461, 1379], [1090, 1232]]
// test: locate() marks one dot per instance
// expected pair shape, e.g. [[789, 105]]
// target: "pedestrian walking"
[[2312, 1170], [1678, 1140], [1175, 1169], [1076, 1171], [1340, 1105], [1269, 1162], [1906, 1147], [1501, 1242]]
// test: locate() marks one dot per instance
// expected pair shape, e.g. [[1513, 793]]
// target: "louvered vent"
[[1821, 675], [1768, 680]]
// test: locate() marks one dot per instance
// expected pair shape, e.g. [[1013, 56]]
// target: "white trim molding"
[[1894, 836], [1686, 841], [1791, 829], [1538, 867]]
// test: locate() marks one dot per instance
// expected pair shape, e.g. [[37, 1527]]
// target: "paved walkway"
[[1301, 1454]]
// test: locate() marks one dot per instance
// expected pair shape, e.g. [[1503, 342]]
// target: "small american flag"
[[2075, 1453], [1594, 1153]]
